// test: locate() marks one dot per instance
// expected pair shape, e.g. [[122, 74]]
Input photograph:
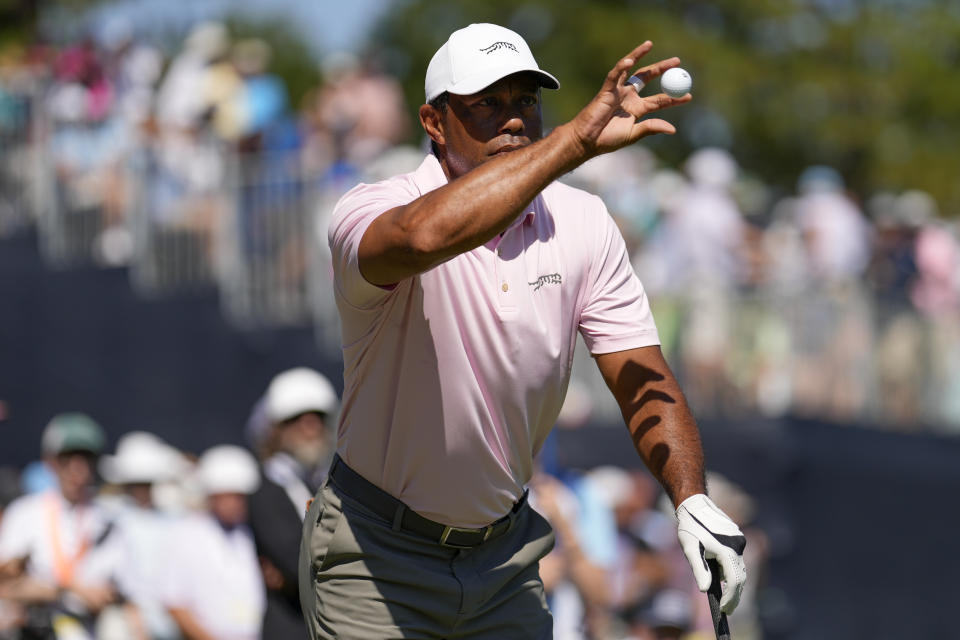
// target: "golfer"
[[461, 289]]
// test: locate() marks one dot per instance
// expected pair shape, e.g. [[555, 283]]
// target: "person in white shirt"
[[48, 539], [135, 549], [213, 587]]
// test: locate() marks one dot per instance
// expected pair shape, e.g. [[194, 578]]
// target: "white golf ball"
[[676, 82]]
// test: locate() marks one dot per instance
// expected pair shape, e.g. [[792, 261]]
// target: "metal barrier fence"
[[175, 215], [19, 188], [82, 172], [266, 240], [253, 225]]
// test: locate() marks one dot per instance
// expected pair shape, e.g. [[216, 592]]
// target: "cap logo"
[[496, 46]]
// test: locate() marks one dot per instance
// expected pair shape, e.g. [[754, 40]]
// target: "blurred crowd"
[[194, 166], [820, 303], [153, 543]]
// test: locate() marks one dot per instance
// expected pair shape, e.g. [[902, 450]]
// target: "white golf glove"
[[706, 533]]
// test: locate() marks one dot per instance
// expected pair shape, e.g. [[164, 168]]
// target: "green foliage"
[[871, 88]]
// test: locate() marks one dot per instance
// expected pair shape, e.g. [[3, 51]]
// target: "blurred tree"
[[19, 19], [870, 88]]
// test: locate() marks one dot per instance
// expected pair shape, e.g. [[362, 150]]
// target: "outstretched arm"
[[475, 207]]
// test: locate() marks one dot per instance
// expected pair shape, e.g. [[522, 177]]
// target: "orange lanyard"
[[63, 564]]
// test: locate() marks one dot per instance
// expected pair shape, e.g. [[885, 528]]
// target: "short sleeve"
[[351, 218], [615, 313]]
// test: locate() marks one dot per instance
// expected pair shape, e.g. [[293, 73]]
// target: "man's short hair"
[[440, 104]]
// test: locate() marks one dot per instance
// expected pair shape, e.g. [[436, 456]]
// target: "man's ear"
[[432, 121]]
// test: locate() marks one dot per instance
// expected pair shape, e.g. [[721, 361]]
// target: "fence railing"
[[267, 239], [177, 208], [19, 171]]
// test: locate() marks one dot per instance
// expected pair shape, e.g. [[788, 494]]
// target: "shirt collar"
[[429, 176]]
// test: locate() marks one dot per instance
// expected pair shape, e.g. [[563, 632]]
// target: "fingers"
[[641, 106], [735, 575], [654, 126], [691, 549], [657, 68], [619, 73]]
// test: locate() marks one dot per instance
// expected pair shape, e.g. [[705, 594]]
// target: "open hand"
[[613, 118]]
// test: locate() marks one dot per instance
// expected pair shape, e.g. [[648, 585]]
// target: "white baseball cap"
[[475, 57], [297, 391], [228, 469], [141, 458]]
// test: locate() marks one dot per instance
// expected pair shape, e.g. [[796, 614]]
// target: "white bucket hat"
[[477, 56]]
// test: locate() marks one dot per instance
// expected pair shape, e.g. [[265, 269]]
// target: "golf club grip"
[[720, 625]]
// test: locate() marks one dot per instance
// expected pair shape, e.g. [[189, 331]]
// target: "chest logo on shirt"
[[550, 278]]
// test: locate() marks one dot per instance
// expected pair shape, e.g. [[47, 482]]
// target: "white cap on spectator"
[[141, 458], [712, 167], [477, 56], [298, 391], [228, 469]]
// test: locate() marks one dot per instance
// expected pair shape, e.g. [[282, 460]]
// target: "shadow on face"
[[475, 128], [230, 509]]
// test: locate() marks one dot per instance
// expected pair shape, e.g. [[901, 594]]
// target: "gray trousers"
[[361, 578]]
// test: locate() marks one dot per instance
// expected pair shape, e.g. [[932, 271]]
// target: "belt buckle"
[[447, 530]]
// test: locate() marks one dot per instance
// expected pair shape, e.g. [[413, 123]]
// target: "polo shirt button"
[[504, 287]]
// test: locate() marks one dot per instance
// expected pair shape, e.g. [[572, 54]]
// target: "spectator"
[[936, 290], [138, 540], [666, 616], [11, 614], [836, 233], [576, 574], [260, 106], [183, 99], [294, 447], [48, 539], [358, 112], [212, 586], [708, 230], [643, 534]]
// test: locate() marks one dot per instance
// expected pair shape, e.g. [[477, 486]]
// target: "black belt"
[[402, 517]]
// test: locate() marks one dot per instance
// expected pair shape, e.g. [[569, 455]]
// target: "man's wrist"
[[575, 152], [681, 495], [691, 498]]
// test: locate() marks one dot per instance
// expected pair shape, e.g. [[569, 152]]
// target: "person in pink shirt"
[[461, 288]]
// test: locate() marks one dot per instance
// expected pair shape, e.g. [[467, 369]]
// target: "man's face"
[[501, 118], [229, 508], [304, 437], [75, 474]]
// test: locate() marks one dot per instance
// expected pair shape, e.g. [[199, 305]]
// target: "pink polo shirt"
[[454, 378]]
